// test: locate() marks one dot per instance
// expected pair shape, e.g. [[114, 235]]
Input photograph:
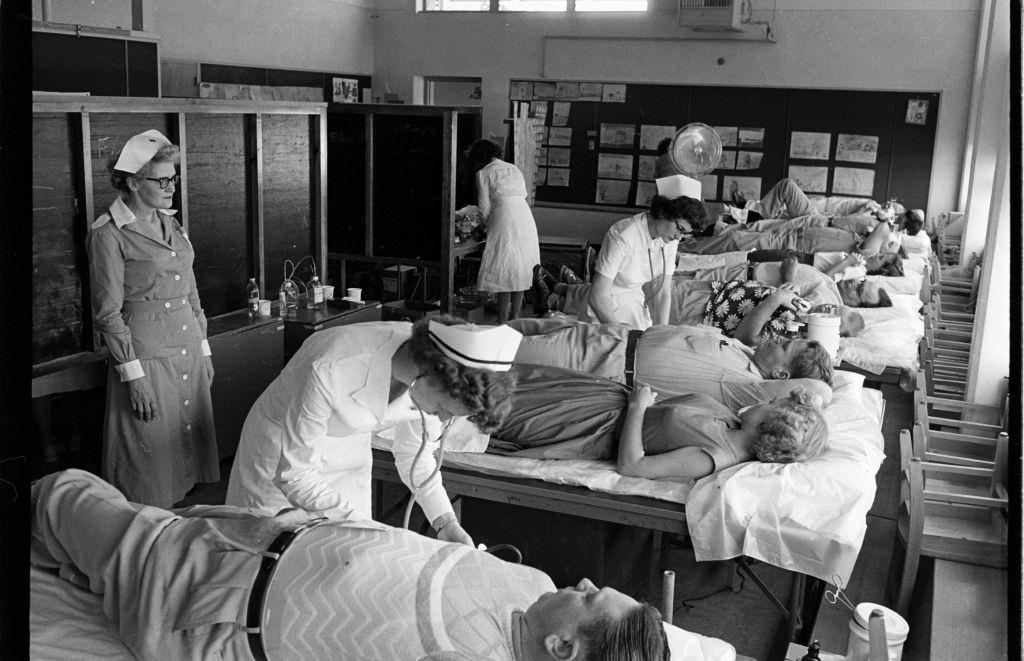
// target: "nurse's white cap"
[[139, 150], [482, 347], [678, 185]]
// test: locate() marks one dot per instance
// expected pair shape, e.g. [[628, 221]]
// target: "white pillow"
[[847, 384], [688, 646]]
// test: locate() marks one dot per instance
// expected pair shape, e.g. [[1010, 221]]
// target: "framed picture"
[[917, 111], [345, 90]]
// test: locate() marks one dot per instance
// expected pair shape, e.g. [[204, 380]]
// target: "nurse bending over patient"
[[306, 440]]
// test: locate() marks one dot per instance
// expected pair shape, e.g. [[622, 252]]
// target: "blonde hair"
[[793, 431]]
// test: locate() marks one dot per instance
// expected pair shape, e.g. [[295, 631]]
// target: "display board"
[[108, 66], [337, 87], [601, 139]]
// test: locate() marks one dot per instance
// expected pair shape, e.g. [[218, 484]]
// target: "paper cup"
[[328, 292], [264, 307], [354, 293]]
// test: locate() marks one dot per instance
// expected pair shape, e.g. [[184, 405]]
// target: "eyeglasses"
[[163, 182], [683, 227]]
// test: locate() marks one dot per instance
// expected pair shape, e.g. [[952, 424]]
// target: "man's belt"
[[631, 339], [254, 612]]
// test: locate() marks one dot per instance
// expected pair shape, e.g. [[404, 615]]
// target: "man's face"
[[772, 356], [859, 293], [564, 611]]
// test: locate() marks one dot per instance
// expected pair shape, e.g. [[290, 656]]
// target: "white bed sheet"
[[67, 622], [890, 336], [810, 517]]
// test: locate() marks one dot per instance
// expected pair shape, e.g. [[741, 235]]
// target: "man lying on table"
[[225, 582]]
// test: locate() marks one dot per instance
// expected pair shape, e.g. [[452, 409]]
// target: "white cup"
[[354, 293], [264, 307], [328, 292]]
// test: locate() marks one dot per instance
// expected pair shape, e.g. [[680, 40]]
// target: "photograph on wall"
[[709, 187], [645, 190], [853, 181], [558, 157], [542, 176], [590, 92], [645, 168], [751, 138], [727, 160], [812, 146], [617, 135], [917, 111], [748, 160], [810, 178], [727, 134], [650, 136], [521, 90], [560, 113], [615, 166], [558, 177], [857, 148], [612, 191], [560, 136], [613, 93], [746, 187], [345, 90], [567, 91], [544, 91], [539, 109]]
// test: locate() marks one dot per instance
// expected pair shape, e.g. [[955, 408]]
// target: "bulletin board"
[[601, 138]]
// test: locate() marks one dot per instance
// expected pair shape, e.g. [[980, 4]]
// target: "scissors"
[[837, 596]]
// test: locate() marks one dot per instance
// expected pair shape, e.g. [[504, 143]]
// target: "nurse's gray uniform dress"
[[147, 309]]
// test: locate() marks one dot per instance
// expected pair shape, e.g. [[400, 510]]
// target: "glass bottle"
[[252, 296], [813, 652], [315, 294], [289, 298]]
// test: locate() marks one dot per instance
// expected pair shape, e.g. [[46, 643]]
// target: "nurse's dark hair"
[[671, 208], [637, 636], [482, 151], [487, 393], [119, 180]]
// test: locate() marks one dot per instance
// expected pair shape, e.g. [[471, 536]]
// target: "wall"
[[317, 35], [926, 45]]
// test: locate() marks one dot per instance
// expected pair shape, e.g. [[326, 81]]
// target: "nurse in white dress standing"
[[306, 440], [632, 281], [512, 248]]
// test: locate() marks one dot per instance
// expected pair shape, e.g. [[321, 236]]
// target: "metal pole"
[[668, 595]]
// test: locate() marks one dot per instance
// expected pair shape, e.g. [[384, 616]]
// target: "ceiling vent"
[[712, 15]]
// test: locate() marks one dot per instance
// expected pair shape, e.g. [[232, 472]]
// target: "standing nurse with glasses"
[[158, 433], [632, 283]]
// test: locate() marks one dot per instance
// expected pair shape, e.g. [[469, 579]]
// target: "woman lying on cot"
[[563, 414]]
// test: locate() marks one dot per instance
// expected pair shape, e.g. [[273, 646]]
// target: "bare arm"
[[684, 462], [878, 238], [749, 329], [853, 259], [601, 298], [782, 387]]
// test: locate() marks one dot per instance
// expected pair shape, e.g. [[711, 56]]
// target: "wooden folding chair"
[[938, 523], [950, 414], [986, 458]]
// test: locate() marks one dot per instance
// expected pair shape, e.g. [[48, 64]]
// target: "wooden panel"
[[110, 131], [218, 214], [60, 320], [287, 211], [346, 194]]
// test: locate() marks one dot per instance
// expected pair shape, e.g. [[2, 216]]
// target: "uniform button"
[[186, 402], [184, 377], [177, 277], [167, 305], [184, 351], [184, 327], [174, 254], [188, 427], [183, 301]]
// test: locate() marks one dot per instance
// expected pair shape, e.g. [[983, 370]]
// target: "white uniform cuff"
[[130, 371], [205, 348]]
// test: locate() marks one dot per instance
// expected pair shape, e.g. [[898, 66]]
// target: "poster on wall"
[[853, 181], [917, 111], [590, 92], [613, 93], [709, 187], [748, 160], [857, 148], [645, 190], [544, 91], [542, 176], [748, 188], [521, 91], [558, 157], [539, 109], [645, 168], [560, 136], [751, 138], [727, 161], [810, 178], [727, 134], [558, 177], [617, 135], [650, 136], [812, 146], [560, 113], [615, 166], [345, 90], [567, 91], [612, 191]]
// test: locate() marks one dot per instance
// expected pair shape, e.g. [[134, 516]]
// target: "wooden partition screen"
[[252, 194]]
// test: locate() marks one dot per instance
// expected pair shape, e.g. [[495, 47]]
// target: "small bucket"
[[896, 630], [824, 328]]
